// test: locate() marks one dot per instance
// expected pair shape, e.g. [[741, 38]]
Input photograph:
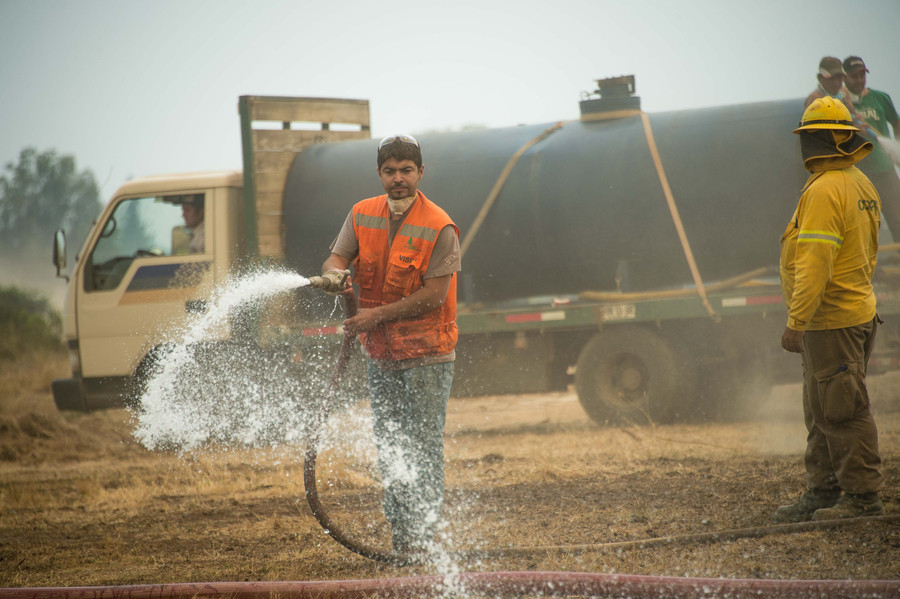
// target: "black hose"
[[312, 449]]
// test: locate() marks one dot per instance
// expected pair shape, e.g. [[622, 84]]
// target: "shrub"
[[28, 322]]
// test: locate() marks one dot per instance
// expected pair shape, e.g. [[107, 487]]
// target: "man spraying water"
[[405, 253]]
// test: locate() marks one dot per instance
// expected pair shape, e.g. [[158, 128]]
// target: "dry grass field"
[[81, 503]]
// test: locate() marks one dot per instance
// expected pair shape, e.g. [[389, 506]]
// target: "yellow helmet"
[[826, 113]]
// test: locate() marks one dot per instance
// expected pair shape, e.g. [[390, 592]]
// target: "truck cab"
[[146, 266], [143, 272]]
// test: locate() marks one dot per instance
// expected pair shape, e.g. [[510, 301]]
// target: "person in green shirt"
[[880, 115]]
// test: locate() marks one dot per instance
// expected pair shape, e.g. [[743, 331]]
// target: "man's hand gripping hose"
[[327, 283]]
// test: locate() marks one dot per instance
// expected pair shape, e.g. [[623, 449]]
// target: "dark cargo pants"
[[842, 440]]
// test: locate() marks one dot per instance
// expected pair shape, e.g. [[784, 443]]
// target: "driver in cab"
[[192, 213]]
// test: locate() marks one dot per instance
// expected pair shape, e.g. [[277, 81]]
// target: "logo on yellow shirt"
[[868, 204]]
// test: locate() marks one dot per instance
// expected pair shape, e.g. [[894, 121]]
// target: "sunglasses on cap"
[[392, 138]]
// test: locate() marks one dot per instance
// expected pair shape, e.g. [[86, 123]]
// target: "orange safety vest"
[[388, 274]]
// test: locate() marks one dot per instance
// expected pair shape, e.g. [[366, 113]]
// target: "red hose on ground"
[[548, 584]]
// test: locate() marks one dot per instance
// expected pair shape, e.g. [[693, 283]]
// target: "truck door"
[[146, 270]]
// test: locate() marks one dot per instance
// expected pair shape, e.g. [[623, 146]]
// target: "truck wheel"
[[144, 372], [628, 375]]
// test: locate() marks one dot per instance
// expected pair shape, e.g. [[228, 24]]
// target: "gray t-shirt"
[[445, 260]]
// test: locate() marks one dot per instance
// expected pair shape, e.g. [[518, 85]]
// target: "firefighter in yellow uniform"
[[828, 255]]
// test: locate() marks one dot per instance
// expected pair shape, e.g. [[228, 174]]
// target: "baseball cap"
[[853, 64], [830, 67]]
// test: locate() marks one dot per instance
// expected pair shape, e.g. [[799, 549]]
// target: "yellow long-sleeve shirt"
[[828, 252]]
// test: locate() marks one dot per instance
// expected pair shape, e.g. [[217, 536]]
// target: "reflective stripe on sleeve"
[[819, 237]]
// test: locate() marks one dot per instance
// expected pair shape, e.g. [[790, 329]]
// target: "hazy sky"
[[141, 87]]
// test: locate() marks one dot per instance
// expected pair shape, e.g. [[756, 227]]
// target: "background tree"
[[39, 194]]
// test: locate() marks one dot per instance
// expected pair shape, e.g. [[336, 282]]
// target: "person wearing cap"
[[877, 111], [192, 213], [830, 78], [828, 255], [405, 254]]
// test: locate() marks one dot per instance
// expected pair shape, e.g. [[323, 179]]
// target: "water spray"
[[209, 382], [890, 146]]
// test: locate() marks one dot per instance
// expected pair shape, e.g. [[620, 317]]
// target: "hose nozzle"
[[329, 282]]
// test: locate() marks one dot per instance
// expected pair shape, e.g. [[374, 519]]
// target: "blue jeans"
[[409, 408]]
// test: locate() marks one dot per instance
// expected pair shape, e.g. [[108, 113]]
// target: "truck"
[[632, 256]]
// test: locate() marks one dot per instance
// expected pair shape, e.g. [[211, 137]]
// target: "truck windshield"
[[146, 227]]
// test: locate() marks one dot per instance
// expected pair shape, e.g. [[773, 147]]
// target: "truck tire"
[[632, 375], [143, 373]]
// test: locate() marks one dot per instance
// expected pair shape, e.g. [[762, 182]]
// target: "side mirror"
[[59, 254]]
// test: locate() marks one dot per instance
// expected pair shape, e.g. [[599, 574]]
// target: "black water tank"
[[583, 205]]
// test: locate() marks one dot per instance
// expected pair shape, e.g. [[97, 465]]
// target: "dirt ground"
[[81, 503]]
